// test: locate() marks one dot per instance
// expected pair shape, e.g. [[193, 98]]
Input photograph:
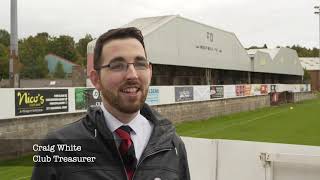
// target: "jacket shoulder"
[[74, 130]]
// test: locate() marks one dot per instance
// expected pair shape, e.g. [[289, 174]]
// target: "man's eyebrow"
[[117, 59], [140, 58], [122, 59]]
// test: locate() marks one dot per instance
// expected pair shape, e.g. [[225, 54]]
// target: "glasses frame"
[[126, 69]]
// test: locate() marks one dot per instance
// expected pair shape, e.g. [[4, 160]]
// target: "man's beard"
[[114, 100]]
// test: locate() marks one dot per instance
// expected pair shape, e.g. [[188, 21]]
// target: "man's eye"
[[117, 66], [141, 64]]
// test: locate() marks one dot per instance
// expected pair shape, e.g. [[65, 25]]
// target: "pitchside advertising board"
[[40, 101], [183, 93], [90, 97], [216, 92], [153, 96], [87, 97]]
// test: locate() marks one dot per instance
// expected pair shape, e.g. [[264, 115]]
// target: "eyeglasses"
[[121, 66]]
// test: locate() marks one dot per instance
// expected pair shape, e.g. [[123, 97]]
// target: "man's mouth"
[[130, 90]]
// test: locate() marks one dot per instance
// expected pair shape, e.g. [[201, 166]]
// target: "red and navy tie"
[[126, 150]]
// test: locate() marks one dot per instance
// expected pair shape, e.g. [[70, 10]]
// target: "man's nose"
[[131, 72]]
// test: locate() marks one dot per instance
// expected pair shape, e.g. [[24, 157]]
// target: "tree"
[[42, 67], [36, 68], [81, 47], [4, 53], [64, 46], [314, 52], [44, 35], [305, 52], [32, 51], [59, 71], [306, 76], [4, 37], [4, 61]]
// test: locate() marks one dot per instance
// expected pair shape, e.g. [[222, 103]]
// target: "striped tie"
[[126, 150]]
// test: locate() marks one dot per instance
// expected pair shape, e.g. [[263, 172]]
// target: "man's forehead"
[[119, 44], [126, 48]]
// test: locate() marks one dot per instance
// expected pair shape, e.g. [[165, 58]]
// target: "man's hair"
[[120, 33]]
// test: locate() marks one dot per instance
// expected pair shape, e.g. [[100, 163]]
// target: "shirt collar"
[[113, 123]]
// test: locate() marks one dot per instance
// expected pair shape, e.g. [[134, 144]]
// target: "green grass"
[[300, 125], [18, 169]]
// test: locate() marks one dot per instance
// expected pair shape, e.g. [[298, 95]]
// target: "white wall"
[[240, 160], [7, 105], [202, 157]]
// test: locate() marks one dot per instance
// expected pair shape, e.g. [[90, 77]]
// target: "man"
[[128, 139]]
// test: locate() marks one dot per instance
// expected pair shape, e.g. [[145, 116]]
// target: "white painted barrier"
[[202, 157], [241, 160]]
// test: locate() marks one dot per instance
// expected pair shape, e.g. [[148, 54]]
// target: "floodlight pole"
[[14, 60], [317, 12]]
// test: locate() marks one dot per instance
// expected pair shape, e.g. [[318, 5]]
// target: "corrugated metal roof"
[[149, 24], [252, 51], [310, 63], [279, 60], [174, 40], [271, 52], [146, 25]]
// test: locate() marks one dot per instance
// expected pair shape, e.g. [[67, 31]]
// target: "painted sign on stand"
[[216, 92], [153, 96], [87, 97], [247, 90], [183, 93], [40, 101], [264, 89], [239, 90]]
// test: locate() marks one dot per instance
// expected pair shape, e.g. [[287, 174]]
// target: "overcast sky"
[[255, 22]]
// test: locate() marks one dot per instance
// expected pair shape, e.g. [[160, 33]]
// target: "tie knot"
[[124, 132], [126, 128]]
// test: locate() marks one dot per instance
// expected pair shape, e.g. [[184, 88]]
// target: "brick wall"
[[18, 135], [301, 96], [205, 109]]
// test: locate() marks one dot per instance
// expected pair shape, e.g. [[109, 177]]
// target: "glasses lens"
[[141, 65], [118, 66]]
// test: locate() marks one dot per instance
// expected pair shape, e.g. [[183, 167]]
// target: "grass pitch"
[[13, 169], [290, 124]]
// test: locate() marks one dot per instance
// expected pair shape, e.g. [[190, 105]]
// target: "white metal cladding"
[[149, 24], [288, 62], [174, 40], [262, 61], [279, 61], [311, 63]]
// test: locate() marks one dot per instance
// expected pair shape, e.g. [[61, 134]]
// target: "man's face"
[[124, 90]]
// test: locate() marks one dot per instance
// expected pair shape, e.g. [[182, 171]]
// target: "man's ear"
[[95, 79]]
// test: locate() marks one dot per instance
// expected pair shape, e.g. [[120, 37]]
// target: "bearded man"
[[128, 139]]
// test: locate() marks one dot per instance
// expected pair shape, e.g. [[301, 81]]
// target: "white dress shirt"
[[142, 129]]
